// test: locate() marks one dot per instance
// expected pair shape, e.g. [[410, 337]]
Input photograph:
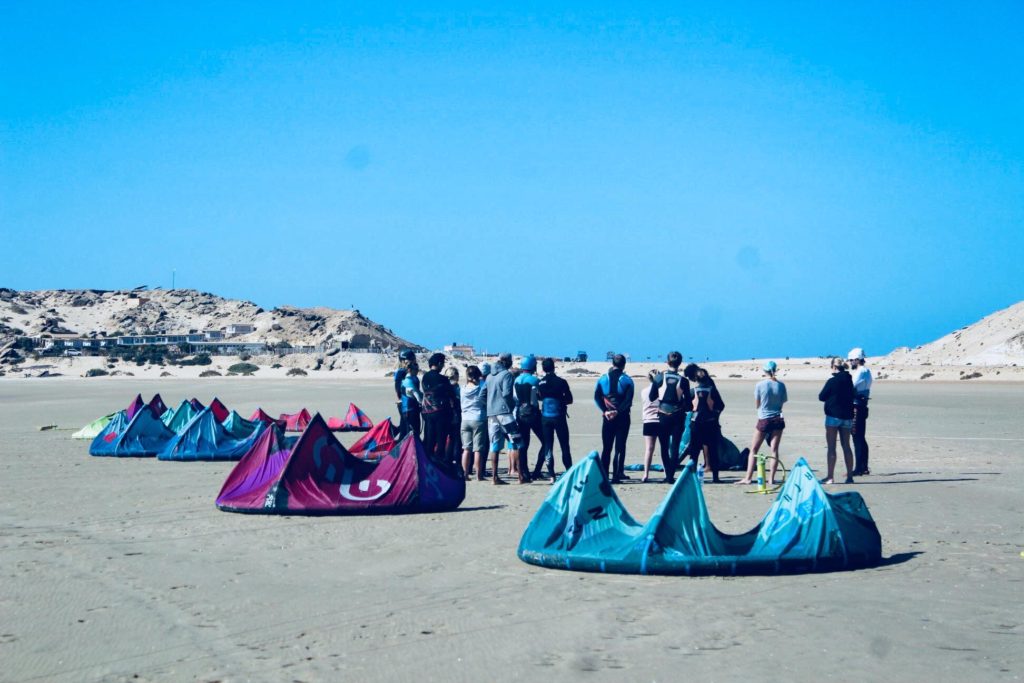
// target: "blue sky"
[[730, 181]]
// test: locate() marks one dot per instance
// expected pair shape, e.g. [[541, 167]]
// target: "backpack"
[[526, 393], [437, 398], [671, 394]]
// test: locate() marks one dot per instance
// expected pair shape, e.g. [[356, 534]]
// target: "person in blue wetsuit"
[[555, 395], [412, 398], [528, 411], [405, 357], [613, 396]]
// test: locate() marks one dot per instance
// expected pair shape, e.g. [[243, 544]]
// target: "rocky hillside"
[[97, 313], [997, 339]]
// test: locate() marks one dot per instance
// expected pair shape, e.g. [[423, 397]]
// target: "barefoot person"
[[862, 393], [528, 412], [412, 399], [613, 396], [769, 397], [650, 417], [675, 402], [437, 405], [474, 422], [501, 422], [453, 444], [837, 395]]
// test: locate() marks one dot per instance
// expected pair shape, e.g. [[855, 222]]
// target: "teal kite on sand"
[[582, 525]]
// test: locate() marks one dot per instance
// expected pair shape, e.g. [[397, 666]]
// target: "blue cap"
[[528, 363], [770, 367]]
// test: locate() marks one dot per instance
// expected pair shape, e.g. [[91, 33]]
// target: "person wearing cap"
[[412, 399], [405, 357], [525, 388], [501, 422], [862, 393], [769, 397], [613, 396]]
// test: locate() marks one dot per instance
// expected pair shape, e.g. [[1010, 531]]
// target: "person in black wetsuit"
[[438, 404], [673, 393], [613, 396], [705, 428], [528, 411], [555, 396]]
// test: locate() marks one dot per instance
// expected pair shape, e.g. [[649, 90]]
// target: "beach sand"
[[122, 569]]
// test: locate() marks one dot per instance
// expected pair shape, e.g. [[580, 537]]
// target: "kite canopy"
[[355, 420], [134, 406], [296, 422], [238, 427], [205, 438], [319, 477], [376, 443], [90, 430], [582, 525], [178, 418], [157, 405], [143, 436], [220, 411], [261, 416]]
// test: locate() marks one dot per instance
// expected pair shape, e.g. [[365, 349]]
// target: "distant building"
[[460, 350], [213, 335], [236, 329], [228, 348], [159, 339]]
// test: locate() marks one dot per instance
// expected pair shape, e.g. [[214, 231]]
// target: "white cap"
[[855, 354]]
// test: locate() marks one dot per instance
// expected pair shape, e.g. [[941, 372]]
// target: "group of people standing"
[[504, 408]]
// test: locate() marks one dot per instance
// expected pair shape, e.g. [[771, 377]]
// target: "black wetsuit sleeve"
[[652, 395], [627, 395], [567, 394], [599, 396], [688, 396]]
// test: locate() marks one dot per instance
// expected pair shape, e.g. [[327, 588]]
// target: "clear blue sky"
[[730, 181]]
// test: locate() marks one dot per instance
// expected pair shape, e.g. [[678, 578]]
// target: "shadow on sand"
[[899, 558]]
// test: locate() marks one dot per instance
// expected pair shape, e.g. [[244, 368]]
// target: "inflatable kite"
[[376, 443], [142, 436], [318, 476], [355, 420], [583, 526], [205, 438], [295, 422]]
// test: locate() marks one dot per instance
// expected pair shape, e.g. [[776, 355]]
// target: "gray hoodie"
[[500, 400]]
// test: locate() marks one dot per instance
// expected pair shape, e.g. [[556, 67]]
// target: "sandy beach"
[[125, 570]]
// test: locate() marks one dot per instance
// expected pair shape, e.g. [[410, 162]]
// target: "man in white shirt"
[[862, 392]]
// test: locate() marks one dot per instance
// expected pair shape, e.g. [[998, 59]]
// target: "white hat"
[[855, 354]]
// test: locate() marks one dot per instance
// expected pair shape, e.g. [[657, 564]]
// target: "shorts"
[[838, 422], [771, 424], [651, 428], [474, 435], [503, 428]]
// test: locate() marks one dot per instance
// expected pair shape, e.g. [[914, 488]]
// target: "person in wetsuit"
[[405, 357], [555, 396], [705, 428], [528, 411], [412, 398], [438, 404], [674, 402], [613, 396]]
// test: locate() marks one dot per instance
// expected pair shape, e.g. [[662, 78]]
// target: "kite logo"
[[364, 494]]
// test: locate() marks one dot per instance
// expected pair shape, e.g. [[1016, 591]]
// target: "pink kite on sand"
[[262, 416], [319, 477], [376, 443], [296, 422], [354, 421]]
